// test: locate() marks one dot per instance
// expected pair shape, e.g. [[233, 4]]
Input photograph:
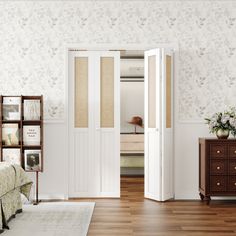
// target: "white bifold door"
[[94, 123], [159, 124]]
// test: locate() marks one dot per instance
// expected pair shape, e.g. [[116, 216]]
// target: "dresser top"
[[217, 140]]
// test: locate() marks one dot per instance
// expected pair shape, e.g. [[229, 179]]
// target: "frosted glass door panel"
[[168, 91], [81, 92], [152, 91], [107, 92]]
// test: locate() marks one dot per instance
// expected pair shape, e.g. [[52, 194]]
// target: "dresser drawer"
[[218, 167], [232, 167], [218, 151], [218, 183], [232, 151], [132, 146], [232, 183]]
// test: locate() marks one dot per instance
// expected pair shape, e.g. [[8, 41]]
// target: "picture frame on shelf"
[[32, 160], [11, 155], [31, 135], [31, 109], [11, 108], [10, 134]]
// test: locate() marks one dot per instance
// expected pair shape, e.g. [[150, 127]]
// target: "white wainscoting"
[[53, 182]]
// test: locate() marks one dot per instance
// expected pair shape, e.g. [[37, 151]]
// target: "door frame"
[[110, 46]]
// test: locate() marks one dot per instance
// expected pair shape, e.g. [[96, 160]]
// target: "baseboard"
[[53, 197], [186, 196]]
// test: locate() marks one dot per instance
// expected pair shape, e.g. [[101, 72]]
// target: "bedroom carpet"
[[52, 219]]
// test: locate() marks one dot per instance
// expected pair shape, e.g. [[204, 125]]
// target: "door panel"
[[94, 124], [168, 91], [81, 92], [167, 135], [152, 124], [107, 92], [159, 128], [152, 91], [108, 126]]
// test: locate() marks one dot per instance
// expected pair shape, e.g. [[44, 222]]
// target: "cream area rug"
[[52, 219]]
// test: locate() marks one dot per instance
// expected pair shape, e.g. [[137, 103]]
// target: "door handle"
[[97, 129], [157, 129]]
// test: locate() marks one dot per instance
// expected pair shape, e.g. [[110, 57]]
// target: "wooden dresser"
[[217, 167], [132, 143]]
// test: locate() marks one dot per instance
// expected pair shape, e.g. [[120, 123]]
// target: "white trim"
[[191, 121], [54, 196], [105, 46], [114, 0], [55, 121], [109, 0]]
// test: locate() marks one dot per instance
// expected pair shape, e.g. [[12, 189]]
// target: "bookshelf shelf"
[[32, 146], [10, 121], [26, 122], [11, 146]]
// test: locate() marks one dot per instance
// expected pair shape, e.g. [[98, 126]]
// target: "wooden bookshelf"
[[21, 123]]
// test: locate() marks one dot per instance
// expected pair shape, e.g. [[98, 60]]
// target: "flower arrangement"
[[225, 121]]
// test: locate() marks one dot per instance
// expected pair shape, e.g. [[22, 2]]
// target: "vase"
[[222, 133]]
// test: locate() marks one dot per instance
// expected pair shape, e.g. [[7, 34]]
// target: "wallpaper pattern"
[[33, 36]]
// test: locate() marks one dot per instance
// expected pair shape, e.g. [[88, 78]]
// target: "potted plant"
[[223, 123]]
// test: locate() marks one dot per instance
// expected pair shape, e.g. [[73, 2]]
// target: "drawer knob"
[[235, 167], [218, 184], [218, 151], [218, 167], [235, 184], [235, 151]]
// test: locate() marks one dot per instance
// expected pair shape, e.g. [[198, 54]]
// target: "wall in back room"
[[33, 36]]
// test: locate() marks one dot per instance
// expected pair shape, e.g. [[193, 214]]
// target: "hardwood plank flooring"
[[134, 215]]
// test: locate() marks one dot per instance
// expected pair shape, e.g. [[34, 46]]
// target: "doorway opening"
[[132, 121], [107, 100]]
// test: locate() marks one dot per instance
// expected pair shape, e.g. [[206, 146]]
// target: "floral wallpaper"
[[33, 35]]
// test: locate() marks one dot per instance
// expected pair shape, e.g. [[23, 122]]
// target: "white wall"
[[33, 36]]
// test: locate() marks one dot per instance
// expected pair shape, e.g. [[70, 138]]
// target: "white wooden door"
[[158, 124], [94, 124]]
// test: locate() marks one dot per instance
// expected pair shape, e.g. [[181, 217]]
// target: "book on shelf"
[[31, 135], [31, 109], [11, 108], [11, 155], [10, 134], [32, 160]]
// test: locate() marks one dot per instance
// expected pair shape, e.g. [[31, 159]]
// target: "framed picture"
[[10, 134], [32, 159], [11, 155], [11, 108], [31, 109], [31, 135]]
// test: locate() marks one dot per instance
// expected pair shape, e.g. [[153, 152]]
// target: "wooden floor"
[[134, 215]]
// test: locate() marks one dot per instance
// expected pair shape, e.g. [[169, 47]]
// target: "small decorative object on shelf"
[[11, 155], [223, 123], [11, 108], [21, 133], [10, 134], [136, 121], [33, 160]]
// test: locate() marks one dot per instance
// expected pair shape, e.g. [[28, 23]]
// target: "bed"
[[13, 183]]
